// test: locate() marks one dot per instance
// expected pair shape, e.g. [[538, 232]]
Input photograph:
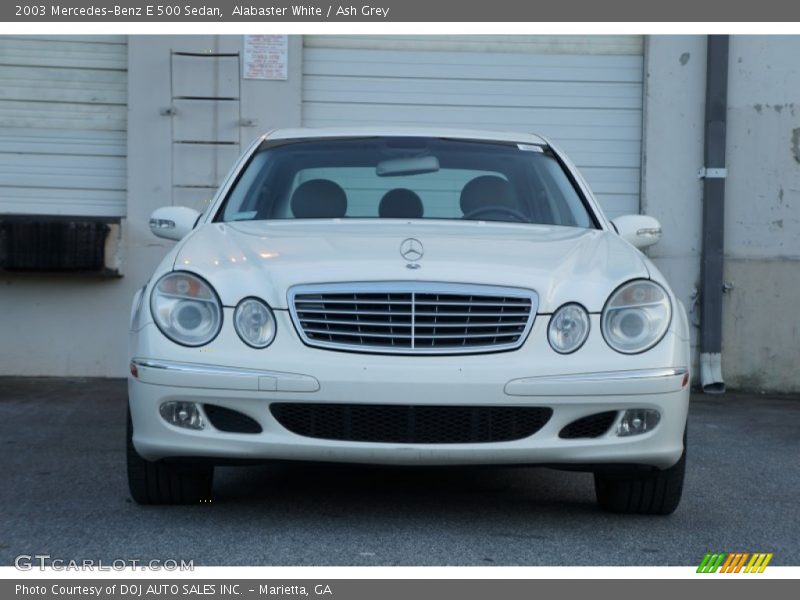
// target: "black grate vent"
[[52, 245], [592, 426], [229, 420], [403, 424]]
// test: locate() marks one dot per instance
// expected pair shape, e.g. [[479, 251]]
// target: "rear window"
[[405, 178]]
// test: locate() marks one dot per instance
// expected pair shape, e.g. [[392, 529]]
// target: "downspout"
[[714, 175]]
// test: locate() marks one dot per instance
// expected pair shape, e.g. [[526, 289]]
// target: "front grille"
[[589, 427], [413, 318], [229, 420], [403, 424]]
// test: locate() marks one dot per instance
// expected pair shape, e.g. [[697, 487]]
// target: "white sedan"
[[408, 297]]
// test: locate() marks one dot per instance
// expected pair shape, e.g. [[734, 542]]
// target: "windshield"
[[405, 178]]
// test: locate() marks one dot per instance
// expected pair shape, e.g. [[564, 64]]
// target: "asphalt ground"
[[64, 493]]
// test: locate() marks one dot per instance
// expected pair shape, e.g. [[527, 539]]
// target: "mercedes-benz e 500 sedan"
[[408, 297]]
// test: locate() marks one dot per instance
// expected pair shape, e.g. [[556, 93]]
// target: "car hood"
[[265, 258]]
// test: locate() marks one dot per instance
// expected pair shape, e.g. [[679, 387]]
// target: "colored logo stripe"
[[758, 563], [733, 562], [711, 562]]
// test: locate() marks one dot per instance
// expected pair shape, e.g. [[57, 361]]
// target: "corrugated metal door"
[[583, 92], [63, 125]]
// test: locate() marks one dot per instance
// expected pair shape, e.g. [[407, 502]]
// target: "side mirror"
[[640, 230], [173, 222]]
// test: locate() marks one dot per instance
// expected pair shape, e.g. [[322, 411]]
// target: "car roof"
[[385, 131]]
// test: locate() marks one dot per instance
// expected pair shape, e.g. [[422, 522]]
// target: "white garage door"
[[583, 92], [63, 125]]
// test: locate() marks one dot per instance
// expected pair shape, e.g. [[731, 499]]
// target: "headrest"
[[487, 190], [319, 199], [400, 203]]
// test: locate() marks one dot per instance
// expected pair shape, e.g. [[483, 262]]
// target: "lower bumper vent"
[[229, 420], [407, 424], [592, 426]]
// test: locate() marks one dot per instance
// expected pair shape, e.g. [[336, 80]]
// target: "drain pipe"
[[713, 174]]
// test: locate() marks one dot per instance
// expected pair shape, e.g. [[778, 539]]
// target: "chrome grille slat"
[[444, 336], [454, 336], [351, 312], [462, 324], [379, 302], [418, 313], [412, 317], [471, 314], [357, 333], [417, 301]]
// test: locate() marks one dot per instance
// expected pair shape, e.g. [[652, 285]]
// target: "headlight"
[[254, 322], [636, 316], [186, 309], [568, 329]]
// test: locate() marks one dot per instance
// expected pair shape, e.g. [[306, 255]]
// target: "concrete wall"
[[761, 323], [674, 108], [71, 325], [761, 337]]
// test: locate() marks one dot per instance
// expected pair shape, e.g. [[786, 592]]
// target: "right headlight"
[[254, 322], [636, 316], [186, 309]]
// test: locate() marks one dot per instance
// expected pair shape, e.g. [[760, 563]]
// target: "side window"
[[247, 195], [564, 206]]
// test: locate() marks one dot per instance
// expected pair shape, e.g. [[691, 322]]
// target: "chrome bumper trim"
[[604, 383], [180, 374], [168, 365], [611, 375]]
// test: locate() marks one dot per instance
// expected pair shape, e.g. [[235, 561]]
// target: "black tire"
[[163, 482], [644, 493]]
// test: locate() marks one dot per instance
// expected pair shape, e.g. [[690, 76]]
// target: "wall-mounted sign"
[[266, 57]]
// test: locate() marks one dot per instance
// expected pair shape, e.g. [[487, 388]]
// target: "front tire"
[[650, 493], [163, 482]]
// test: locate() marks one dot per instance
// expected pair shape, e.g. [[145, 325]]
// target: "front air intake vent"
[[231, 421], [592, 426], [405, 424]]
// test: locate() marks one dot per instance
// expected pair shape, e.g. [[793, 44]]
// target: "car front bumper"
[[250, 391]]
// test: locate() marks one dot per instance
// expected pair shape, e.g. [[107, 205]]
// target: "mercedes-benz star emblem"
[[412, 250]]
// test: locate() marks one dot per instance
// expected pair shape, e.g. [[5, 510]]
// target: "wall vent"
[[58, 244]]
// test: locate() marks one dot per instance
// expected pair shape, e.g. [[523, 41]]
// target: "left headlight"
[[568, 329], [186, 309], [636, 316], [254, 322]]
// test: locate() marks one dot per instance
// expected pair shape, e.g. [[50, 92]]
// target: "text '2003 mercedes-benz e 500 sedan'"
[[408, 297]]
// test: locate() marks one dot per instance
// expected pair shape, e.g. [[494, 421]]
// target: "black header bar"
[[461, 11]]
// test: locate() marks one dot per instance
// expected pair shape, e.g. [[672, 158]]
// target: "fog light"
[[636, 421], [182, 414]]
